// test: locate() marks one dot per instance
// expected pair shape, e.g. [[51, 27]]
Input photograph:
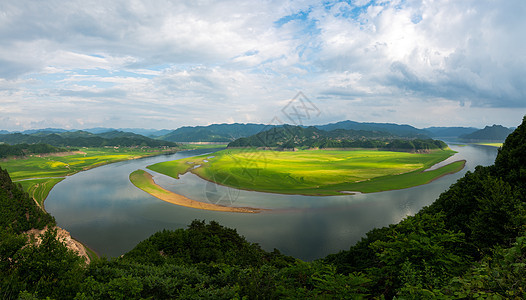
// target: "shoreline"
[[342, 191], [92, 167], [144, 181]]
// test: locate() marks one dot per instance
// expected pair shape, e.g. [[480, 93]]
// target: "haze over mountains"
[[81, 138], [229, 132]]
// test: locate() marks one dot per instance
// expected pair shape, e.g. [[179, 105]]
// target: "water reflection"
[[101, 208]]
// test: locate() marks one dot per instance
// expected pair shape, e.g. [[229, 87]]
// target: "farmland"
[[313, 172], [39, 173]]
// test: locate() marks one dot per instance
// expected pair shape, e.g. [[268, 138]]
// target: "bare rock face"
[[63, 236]]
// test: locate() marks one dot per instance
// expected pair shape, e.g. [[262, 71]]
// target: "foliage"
[[25, 149], [289, 137], [489, 133], [479, 215], [85, 139], [214, 132], [470, 243], [18, 212]]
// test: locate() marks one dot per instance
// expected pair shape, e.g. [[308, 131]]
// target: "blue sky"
[[166, 64]]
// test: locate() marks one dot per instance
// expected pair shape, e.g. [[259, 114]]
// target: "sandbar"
[[145, 182]]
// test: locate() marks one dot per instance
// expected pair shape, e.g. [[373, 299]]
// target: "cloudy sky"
[[165, 64]]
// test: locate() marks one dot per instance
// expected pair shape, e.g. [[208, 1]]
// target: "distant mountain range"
[[291, 137], [214, 132], [449, 132], [96, 130], [396, 129], [229, 132], [83, 139], [495, 133]]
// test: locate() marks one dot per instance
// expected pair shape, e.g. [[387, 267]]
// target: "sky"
[[166, 64]]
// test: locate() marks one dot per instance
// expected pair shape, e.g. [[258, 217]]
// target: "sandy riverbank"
[[145, 182]]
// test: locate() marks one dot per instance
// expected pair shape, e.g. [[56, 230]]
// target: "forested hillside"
[[26, 149], [470, 243], [289, 137], [496, 133], [84, 139], [213, 133], [393, 129], [230, 132]]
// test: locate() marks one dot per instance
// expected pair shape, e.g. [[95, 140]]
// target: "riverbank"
[[38, 174], [313, 172], [144, 181]]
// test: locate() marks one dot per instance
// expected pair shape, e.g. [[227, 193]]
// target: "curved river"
[[101, 208]]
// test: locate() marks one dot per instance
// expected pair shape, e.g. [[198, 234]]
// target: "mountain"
[[141, 131], [230, 132], [289, 137], [47, 130], [450, 132], [214, 132], [396, 129], [495, 133], [25, 149], [84, 139], [469, 243]]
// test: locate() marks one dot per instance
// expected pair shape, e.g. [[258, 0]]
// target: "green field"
[[491, 144], [38, 174], [313, 172], [39, 188]]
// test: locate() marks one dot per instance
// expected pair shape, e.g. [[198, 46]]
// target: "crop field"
[[38, 174], [491, 144], [313, 172], [39, 188]]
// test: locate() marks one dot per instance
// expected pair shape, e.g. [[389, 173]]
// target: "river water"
[[102, 209]]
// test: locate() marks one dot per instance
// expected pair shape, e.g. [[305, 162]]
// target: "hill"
[[230, 132], [141, 131], [290, 137], [394, 129], [449, 132], [469, 243], [84, 139], [213, 133], [25, 149], [495, 133]]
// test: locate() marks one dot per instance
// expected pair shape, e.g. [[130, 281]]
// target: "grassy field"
[[313, 172], [44, 171], [39, 188], [491, 144]]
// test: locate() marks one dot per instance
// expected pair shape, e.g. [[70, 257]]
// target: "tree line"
[[292, 137], [470, 243], [85, 139], [28, 149]]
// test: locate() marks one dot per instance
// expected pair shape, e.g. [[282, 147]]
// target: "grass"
[[491, 144], [313, 172], [39, 188], [38, 174]]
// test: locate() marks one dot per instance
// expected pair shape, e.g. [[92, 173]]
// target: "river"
[[101, 208]]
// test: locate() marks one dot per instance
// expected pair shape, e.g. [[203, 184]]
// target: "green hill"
[[394, 129], [213, 133], [469, 244], [84, 139], [495, 133], [290, 137]]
